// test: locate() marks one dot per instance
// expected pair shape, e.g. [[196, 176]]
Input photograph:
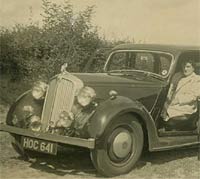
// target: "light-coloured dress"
[[186, 94]]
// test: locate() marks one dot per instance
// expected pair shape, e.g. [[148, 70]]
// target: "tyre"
[[119, 147]]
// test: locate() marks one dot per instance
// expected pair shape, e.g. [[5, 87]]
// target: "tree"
[[31, 51]]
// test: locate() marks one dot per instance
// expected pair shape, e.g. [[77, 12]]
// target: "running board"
[[163, 133]]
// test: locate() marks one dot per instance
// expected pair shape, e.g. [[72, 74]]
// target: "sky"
[[149, 21]]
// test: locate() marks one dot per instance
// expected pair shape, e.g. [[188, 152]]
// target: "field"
[[72, 164]]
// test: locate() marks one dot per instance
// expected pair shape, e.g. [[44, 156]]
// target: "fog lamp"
[[14, 120], [39, 90], [35, 124], [85, 96]]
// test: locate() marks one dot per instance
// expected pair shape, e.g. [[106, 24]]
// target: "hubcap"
[[122, 144]]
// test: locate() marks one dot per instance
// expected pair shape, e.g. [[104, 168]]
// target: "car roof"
[[158, 47]]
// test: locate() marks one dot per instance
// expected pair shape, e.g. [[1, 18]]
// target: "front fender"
[[20, 108], [107, 111], [13, 106]]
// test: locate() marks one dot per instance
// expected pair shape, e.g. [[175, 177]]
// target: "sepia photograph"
[[100, 89]]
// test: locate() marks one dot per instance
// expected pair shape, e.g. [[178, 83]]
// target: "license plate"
[[39, 145]]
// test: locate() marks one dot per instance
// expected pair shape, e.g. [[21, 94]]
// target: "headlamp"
[[85, 96], [35, 124], [39, 90]]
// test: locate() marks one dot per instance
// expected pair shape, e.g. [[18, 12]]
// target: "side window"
[[118, 61]]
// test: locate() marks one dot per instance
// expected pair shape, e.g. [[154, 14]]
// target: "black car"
[[115, 113]]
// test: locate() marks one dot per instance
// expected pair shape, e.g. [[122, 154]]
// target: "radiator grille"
[[59, 98], [63, 100]]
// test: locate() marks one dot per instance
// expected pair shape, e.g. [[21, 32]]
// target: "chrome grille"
[[63, 100], [60, 97]]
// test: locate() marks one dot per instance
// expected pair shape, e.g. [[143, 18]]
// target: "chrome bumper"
[[87, 143]]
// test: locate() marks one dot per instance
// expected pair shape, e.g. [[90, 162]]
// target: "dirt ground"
[[70, 164]]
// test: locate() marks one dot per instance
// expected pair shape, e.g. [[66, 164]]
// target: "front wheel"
[[119, 148]]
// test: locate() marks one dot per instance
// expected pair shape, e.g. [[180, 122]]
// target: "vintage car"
[[115, 114]]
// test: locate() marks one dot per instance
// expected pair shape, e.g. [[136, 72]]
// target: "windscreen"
[[154, 62]]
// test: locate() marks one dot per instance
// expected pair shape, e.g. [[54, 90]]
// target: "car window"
[[165, 63], [119, 61], [145, 62], [154, 62]]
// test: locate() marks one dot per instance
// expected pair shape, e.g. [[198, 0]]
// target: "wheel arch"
[[123, 106], [13, 105], [120, 146], [135, 115]]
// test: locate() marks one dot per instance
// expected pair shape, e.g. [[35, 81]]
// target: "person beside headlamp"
[[83, 102], [77, 116], [39, 90]]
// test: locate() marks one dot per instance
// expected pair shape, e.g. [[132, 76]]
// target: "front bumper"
[[87, 143]]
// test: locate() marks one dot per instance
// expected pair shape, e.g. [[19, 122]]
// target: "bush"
[[30, 51]]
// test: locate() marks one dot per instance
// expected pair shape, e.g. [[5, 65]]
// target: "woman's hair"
[[185, 61], [90, 91], [40, 84]]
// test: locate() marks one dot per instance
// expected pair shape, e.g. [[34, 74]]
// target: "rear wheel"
[[120, 147]]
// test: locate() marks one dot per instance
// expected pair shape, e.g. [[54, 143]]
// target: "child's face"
[[37, 92], [84, 98]]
